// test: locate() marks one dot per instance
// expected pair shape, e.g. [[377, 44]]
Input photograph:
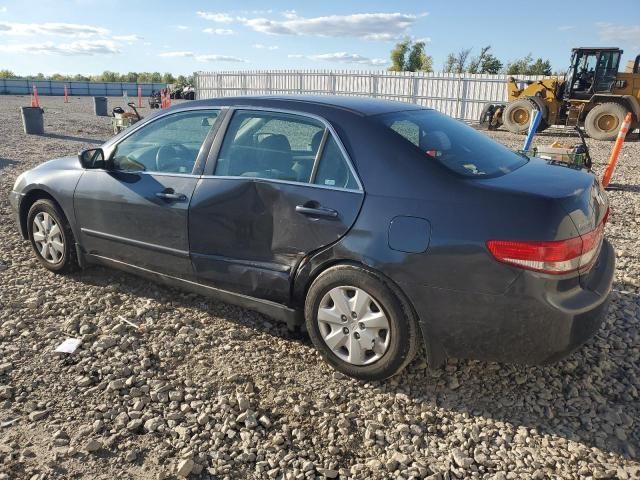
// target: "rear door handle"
[[316, 212], [171, 196]]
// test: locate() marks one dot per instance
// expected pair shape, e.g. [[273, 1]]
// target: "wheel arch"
[[308, 272], [31, 197]]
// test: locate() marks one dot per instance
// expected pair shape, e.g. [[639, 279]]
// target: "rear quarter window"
[[457, 146]]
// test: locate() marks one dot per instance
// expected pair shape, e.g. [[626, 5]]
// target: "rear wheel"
[[51, 237], [517, 116], [603, 121], [359, 325]]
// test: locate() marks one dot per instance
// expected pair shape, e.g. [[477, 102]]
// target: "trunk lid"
[[577, 191]]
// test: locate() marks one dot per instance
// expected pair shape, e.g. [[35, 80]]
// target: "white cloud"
[[219, 31], [176, 54], [372, 26], [564, 28], [295, 55], [202, 58], [127, 38], [80, 47], [182, 27], [218, 58], [51, 28], [260, 46], [619, 34], [344, 57], [216, 17]]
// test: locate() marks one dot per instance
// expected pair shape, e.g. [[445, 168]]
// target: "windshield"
[[452, 143]]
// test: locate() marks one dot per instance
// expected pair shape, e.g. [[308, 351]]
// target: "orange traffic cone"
[[35, 100]]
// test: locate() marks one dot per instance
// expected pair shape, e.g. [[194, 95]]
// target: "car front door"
[[280, 187], [136, 209]]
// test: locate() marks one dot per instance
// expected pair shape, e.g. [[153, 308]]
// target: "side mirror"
[[92, 158]]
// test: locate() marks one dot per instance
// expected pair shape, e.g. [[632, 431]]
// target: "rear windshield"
[[453, 144]]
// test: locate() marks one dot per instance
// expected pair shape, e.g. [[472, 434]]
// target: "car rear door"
[[136, 210], [277, 187]]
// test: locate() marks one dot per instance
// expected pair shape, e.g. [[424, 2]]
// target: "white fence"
[[458, 95]]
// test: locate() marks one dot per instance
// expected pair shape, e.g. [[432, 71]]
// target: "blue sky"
[[89, 36]]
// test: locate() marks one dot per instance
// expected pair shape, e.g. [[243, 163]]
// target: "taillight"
[[556, 257]]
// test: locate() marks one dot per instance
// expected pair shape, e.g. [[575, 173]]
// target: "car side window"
[[270, 145], [169, 144], [333, 169]]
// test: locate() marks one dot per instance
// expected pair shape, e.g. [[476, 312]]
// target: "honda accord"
[[382, 227]]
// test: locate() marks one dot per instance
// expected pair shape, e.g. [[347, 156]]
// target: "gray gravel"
[[209, 390]]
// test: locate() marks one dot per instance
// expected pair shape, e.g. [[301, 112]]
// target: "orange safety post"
[[613, 159], [139, 96], [35, 100], [168, 98], [162, 98], [66, 94]]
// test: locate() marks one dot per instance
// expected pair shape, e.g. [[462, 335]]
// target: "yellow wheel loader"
[[593, 95]]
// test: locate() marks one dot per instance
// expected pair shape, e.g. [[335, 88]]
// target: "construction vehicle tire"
[[603, 121], [517, 116]]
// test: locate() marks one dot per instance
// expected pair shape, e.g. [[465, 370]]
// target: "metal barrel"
[[32, 120], [100, 106]]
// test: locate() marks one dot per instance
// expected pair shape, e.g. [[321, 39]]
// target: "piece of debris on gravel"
[[213, 391]]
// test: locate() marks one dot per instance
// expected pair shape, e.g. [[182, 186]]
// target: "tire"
[[395, 345], [60, 254], [603, 121], [517, 115]]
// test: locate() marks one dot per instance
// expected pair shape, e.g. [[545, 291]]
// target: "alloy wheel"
[[48, 238], [353, 325]]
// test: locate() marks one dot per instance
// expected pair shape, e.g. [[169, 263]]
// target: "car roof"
[[363, 106]]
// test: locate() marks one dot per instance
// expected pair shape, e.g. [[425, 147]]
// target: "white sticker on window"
[[328, 181]]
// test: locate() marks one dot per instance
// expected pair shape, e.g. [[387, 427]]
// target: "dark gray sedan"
[[382, 226]]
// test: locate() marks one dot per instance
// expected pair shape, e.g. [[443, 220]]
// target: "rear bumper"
[[538, 320]]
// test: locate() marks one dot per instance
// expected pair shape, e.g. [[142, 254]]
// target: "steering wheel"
[[172, 156]]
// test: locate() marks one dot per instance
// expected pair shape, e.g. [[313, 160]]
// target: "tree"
[[526, 66], [398, 56], [168, 78], [108, 76], [156, 77], [407, 56], [418, 60], [58, 77], [457, 62], [130, 77], [7, 74], [540, 67], [181, 80], [485, 62]]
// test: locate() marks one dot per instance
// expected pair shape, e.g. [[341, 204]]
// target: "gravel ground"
[[216, 391]]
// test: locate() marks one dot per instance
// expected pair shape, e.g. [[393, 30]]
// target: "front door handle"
[[316, 212], [177, 197]]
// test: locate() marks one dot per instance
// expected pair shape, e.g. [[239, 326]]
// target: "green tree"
[[418, 60], [7, 74], [486, 62], [540, 67], [398, 56], [181, 80], [526, 66], [131, 77], [81, 78], [168, 78], [407, 56], [58, 77], [156, 77], [144, 77], [457, 62], [108, 76]]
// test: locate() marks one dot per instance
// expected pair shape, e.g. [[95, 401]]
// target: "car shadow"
[[5, 162], [573, 399], [70, 138]]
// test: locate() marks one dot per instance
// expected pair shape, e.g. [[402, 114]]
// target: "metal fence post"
[[463, 107]]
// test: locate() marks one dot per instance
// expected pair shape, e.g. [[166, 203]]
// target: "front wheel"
[[359, 324], [51, 237]]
